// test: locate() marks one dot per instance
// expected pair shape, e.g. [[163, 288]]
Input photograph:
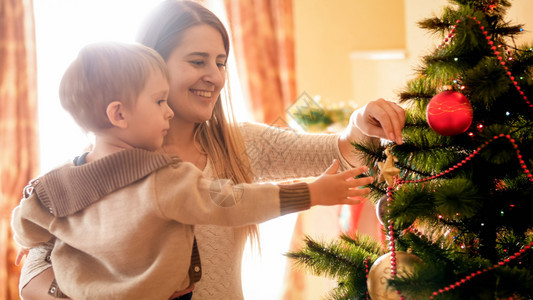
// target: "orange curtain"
[[263, 41], [18, 126]]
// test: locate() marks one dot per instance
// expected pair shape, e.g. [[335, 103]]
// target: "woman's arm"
[[37, 274], [277, 154], [37, 288]]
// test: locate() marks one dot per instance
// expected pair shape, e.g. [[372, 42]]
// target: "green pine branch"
[[344, 259]]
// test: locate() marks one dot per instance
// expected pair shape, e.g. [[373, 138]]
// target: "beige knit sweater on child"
[[135, 242]]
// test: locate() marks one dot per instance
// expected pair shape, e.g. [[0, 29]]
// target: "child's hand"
[[332, 188], [20, 255]]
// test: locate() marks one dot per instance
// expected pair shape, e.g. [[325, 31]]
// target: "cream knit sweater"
[[275, 155]]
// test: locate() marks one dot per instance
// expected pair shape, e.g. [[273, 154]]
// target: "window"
[[63, 27]]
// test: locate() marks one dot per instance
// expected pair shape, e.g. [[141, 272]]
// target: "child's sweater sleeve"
[[30, 220], [184, 195]]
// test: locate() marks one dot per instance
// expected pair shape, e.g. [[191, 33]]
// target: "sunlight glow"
[[63, 27]]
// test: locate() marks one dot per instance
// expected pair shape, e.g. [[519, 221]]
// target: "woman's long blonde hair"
[[222, 140]]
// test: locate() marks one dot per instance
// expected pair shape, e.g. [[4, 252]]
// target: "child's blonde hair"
[[106, 72]]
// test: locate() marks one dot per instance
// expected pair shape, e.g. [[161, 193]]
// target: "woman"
[[195, 45]]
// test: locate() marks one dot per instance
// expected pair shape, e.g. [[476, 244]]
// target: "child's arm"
[[182, 194], [30, 221]]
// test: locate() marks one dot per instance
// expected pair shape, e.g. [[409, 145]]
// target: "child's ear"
[[115, 114]]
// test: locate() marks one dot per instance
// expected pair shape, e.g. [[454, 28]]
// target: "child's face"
[[197, 73], [148, 121]]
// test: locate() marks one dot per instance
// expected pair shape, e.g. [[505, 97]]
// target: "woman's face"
[[197, 74]]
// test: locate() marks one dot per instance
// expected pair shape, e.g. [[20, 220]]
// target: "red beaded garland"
[[474, 153], [495, 51], [392, 245], [473, 274], [469, 157], [367, 260], [497, 54]]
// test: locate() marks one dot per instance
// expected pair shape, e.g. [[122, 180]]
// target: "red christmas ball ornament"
[[449, 113]]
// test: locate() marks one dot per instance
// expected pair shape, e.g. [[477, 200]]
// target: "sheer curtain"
[[263, 42], [18, 126]]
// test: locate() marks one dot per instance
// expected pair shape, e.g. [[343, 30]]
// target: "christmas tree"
[[457, 199]]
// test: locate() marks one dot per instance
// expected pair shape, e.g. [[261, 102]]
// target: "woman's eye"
[[197, 62], [160, 102], [221, 65]]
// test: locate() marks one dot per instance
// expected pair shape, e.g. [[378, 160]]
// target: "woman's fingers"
[[20, 255], [382, 119], [391, 119], [397, 116]]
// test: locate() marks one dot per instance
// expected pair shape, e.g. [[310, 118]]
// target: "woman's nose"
[[215, 75]]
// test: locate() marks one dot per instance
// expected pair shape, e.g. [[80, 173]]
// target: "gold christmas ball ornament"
[[380, 273]]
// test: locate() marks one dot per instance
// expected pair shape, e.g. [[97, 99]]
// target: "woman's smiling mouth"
[[202, 93]]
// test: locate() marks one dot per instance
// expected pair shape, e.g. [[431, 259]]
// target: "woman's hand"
[[380, 118], [377, 119], [20, 255]]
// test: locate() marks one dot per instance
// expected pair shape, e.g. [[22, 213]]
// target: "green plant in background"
[[323, 115]]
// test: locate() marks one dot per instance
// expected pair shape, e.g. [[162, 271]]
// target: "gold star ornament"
[[387, 169]]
